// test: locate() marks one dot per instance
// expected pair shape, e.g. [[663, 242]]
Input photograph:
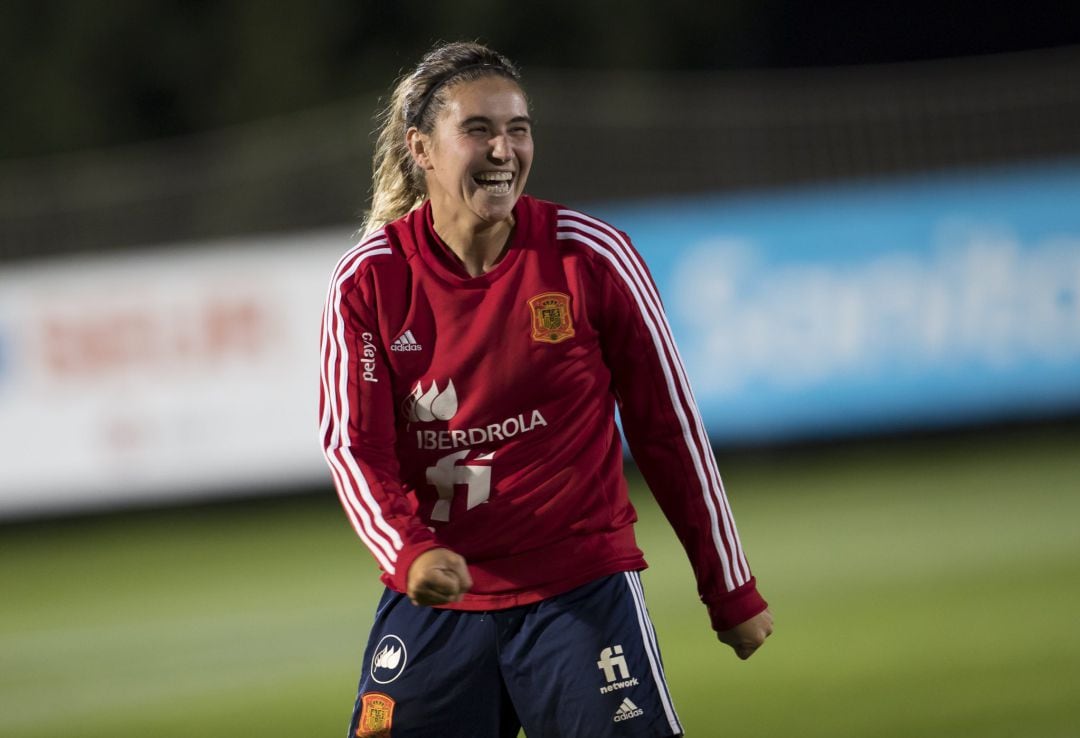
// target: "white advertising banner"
[[162, 375]]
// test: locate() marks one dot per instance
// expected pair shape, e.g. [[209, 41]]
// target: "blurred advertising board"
[[874, 306], [167, 374], [868, 307]]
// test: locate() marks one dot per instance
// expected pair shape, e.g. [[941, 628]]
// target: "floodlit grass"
[[920, 589]]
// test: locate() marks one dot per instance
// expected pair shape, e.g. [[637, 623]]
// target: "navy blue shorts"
[[584, 663]]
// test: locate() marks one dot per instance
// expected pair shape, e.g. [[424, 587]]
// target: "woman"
[[475, 345]]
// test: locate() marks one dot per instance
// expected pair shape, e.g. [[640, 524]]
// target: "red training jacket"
[[477, 413]]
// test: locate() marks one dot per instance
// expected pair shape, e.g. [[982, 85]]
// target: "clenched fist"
[[437, 577], [747, 637]]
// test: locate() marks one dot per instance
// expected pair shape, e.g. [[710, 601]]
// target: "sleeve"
[[666, 435], [356, 410]]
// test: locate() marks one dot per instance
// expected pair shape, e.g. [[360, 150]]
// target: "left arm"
[[669, 443]]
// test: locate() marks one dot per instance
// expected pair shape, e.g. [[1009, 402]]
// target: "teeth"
[[497, 188], [495, 176]]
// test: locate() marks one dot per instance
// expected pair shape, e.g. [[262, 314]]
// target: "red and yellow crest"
[[551, 320], [376, 715]]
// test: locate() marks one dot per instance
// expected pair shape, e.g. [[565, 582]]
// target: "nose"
[[500, 148]]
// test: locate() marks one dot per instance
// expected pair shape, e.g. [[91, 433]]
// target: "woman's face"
[[477, 158]]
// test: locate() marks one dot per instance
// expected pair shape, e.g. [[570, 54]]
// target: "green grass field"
[[924, 588]]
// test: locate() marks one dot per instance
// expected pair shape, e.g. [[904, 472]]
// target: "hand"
[[748, 636], [437, 577]]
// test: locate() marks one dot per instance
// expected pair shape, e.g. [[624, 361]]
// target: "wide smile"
[[494, 182]]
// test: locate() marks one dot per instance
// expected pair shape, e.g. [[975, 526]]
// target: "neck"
[[479, 245]]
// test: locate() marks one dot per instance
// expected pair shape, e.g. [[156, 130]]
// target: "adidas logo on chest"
[[406, 342]]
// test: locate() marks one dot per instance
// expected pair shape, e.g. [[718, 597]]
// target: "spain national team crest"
[[376, 715], [551, 320]]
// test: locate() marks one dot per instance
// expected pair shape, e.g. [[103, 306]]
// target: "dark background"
[[78, 75]]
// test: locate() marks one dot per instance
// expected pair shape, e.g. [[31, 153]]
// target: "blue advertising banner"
[[874, 306]]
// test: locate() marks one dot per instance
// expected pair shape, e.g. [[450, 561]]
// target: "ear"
[[419, 145]]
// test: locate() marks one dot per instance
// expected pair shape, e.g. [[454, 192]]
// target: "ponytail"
[[397, 183]]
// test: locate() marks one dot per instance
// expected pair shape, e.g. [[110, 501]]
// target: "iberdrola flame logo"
[[388, 658], [434, 404]]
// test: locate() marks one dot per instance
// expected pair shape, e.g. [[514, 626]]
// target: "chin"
[[493, 212]]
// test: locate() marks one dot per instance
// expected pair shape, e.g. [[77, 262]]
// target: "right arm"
[[357, 426]]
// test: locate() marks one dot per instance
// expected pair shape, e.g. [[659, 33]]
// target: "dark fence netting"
[[599, 136]]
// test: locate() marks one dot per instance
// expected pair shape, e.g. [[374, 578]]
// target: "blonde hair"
[[397, 183]]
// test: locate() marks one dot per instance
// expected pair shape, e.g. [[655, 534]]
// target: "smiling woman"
[[476, 162], [482, 466], [409, 146]]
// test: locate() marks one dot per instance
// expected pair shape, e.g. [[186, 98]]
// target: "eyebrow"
[[485, 119]]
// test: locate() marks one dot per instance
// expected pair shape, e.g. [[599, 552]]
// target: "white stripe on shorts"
[[652, 650]]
